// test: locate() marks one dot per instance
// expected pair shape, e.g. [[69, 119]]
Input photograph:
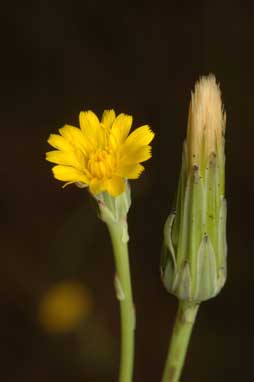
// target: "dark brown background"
[[142, 58]]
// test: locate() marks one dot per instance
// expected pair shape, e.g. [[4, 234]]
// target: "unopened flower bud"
[[193, 264]]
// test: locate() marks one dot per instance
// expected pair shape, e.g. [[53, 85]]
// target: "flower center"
[[101, 164]]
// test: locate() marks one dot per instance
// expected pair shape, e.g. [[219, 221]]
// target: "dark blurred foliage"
[[142, 58]]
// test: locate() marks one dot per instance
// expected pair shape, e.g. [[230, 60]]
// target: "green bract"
[[193, 263], [114, 210]]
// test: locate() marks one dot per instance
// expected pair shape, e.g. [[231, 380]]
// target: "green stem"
[[124, 294], [179, 341]]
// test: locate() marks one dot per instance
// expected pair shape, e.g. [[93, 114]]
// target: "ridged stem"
[[124, 295], [180, 339]]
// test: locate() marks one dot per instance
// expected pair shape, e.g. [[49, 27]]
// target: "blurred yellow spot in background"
[[64, 306]]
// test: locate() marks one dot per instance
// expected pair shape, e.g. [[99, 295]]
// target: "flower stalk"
[[114, 214], [124, 295], [184, 322]]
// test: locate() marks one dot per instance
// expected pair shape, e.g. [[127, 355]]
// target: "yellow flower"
[[100, 155]]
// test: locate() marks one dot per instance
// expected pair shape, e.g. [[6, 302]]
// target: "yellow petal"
[[69, 174], [97, 185], [140, 137], [108, 118], [131, 171], [121, 127], [75, 137], [131, 155], [59, 142], [91, 128], [115, 185], [63, 157]]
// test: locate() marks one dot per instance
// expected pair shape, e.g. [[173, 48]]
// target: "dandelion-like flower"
[[100, 155]]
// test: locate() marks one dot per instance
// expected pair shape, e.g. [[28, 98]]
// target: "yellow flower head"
[[100, 155]]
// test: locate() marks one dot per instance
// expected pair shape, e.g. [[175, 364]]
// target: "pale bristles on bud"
[[206, 122]]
